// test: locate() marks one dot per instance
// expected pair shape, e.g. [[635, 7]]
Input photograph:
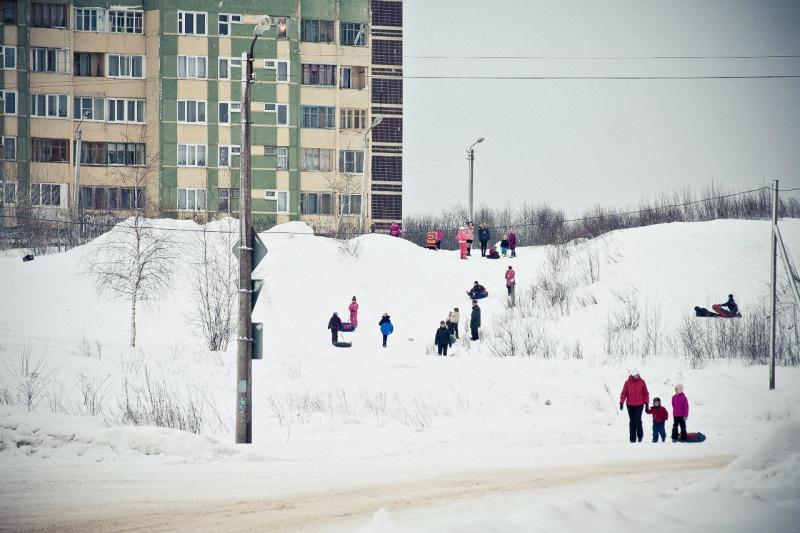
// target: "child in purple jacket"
[[680, 411]]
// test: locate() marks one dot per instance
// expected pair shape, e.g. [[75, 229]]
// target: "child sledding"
[[732, 310], [477, 292]]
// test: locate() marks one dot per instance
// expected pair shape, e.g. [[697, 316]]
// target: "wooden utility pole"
[[773, 288]]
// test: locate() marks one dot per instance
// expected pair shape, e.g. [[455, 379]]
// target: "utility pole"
[[76, 197], [244, 352], [773, 288], [471, 157]]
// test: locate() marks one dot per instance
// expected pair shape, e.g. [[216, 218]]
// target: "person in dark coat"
[[475, 320], [483, 236], [442, 339], [512, 242], [385, 330], [732, 311], [335, 324]]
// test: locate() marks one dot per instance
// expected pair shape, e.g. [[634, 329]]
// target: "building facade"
[[155, 91]]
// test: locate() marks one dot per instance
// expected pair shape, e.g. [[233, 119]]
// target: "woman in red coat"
[[634, 392]]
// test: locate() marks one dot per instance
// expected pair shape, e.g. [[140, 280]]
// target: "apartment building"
[[155, 91]]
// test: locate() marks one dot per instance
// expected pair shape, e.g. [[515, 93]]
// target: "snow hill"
[[322, 413]]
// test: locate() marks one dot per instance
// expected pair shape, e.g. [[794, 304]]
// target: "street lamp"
[[375, 122], [244, 361], [471, 157], [76, 202]]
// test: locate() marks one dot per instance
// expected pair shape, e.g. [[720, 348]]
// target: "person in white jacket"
[[452, 322]]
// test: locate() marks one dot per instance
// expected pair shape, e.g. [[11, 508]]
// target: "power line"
[[358, 233], [610, 58]]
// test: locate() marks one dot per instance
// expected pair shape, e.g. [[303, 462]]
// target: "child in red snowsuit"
[[660, 417]]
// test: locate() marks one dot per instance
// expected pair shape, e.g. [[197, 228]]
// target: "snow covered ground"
[[394, 423]]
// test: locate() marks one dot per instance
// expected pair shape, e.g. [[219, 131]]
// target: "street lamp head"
[[376, 121], [262, 26], [480, 140]]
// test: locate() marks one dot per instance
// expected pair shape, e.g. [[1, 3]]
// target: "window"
[[8, 57], [324, 75], [313, 116], [49, 105], [351, 161], [353, 77], [316, 203], [316, 160], [49, 60], [48, 15], [88, 107], [192, 111], [9, 11], [226, 153], [281, 198], [191, 155], [225, 198], [92, 153], [225, 20], [353, 34], [127, 154], [126, 198], [8, 102], [280, 67], [8, 149], [353, 119], [46, 194], [281, 155], [125, 21], [282, 112], [87, 64], [282, 27], [192, 199], [125, 110], [192, 23], [225, 110], [8, 193], [225, 66], [193, 67], [316, 31], [125, 66], [90, 19], [350, 204]]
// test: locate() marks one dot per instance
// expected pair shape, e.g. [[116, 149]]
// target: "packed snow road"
[[335, 508]]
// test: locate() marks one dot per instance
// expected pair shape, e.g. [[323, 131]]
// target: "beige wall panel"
[[113, 43], [192, 90], [224, 178], [319, 53], [51, 128], [192, 177], [350, 55], [318, 95], [10, 35], [49, 38], [224, 90], [353, 98], [283, 137], [351, 141], [314, 138], [111, 88], [225, 47], [282, 92], [284, 51], [50, 173], [10, 125], [10, 78], [315, 181], [190, 134], [51, 83], [125, 132], [192, 46], [282, 179], [224, 135]]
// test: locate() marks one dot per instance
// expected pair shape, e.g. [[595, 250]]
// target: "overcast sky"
[[576, 144]]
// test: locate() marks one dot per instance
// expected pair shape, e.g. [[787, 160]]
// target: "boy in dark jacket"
[[335, 324], [483, 236], [442, 339], [475, 320], [660, 417]]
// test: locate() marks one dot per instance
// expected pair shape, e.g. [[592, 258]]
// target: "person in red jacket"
[[660, 416], [634, 392]]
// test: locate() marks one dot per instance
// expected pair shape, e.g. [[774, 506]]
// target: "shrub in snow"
[[30, 377]]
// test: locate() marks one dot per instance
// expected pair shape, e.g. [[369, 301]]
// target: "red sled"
[[692, 437], [347, 327]]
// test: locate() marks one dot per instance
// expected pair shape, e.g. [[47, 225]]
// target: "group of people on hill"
[[731, 310], [637, 397], [466, 237]]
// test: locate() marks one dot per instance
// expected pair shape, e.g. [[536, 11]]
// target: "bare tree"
[[215, 282], [135, 260], [343, 185]]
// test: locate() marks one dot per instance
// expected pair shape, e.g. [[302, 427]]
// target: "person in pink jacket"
[[511, 279], [461, 237], [439, 237], [470, 236], [680, 411], [354, 312]]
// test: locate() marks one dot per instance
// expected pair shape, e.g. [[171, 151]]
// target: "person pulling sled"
[[732, 310]]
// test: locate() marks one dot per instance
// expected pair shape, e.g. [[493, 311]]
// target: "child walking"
[[680, 411], [660, 417]]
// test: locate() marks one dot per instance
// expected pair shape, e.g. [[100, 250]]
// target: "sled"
[[347, 327], [479, 296], [341, 344], [387, 328], [692, 437]]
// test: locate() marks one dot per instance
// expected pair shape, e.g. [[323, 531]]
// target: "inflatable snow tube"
[[347, 327], [479, 296]]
